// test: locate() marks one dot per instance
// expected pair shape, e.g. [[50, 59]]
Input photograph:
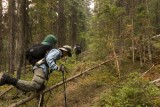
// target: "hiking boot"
[[7, 79]]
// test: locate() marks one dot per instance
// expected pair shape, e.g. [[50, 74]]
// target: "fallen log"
[[56, 85], [155, 81], [147, 71]]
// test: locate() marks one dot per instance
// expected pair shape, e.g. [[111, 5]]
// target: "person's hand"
[[62, 68]]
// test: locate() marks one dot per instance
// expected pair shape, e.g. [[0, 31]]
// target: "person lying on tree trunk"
[[40, 71]]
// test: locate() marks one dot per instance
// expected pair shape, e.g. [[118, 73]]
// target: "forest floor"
[[84, 91]]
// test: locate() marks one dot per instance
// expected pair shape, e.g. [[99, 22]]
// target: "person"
[[38, 51], [77, 49], [40, 70]]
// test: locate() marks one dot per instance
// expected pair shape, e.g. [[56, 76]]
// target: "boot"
[[7, 79]]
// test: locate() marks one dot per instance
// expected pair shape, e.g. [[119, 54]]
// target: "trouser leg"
[[35, 84], [7, 79]]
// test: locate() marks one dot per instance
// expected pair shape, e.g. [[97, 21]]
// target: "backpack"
[[77, 49], [37, 52]]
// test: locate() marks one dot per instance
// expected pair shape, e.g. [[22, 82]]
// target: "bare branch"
[[147, 71]]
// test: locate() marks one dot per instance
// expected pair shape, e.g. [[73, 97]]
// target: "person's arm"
[[51, 58]]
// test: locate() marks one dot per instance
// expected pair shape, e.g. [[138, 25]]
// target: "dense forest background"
[[27, 22], [126, 30], [123, 26]]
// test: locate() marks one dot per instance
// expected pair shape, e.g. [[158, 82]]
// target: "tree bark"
[[1, 42], [22, 34], [132, 33], [1, 45], [148, 35], [73, 21], [61, 24], [11, 35], [157, 17]]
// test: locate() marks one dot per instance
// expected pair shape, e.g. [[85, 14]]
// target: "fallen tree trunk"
[[56, 85], [155, 81], [147, 71]]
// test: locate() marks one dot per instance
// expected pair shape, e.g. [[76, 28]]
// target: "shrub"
[[134, 93]]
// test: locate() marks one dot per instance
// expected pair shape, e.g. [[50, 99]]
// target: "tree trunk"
[[120, 3], [11, 35], [116, 61], [1, 42], [22, 12], [132, 33], [157, 17], [73, 25], [1, 45], [148, 36], [133, 46], [61, 24]]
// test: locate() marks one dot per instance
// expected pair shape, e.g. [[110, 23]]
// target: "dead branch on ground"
[[57, 85]]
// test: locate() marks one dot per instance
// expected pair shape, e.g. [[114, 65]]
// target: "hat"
[[49, 40], [67, 49]]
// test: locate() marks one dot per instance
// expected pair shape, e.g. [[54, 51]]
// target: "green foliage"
[[42, 26], [134, 93], [122, 24], [103, 25]]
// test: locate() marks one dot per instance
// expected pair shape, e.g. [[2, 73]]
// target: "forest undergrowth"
[[100, 88]]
